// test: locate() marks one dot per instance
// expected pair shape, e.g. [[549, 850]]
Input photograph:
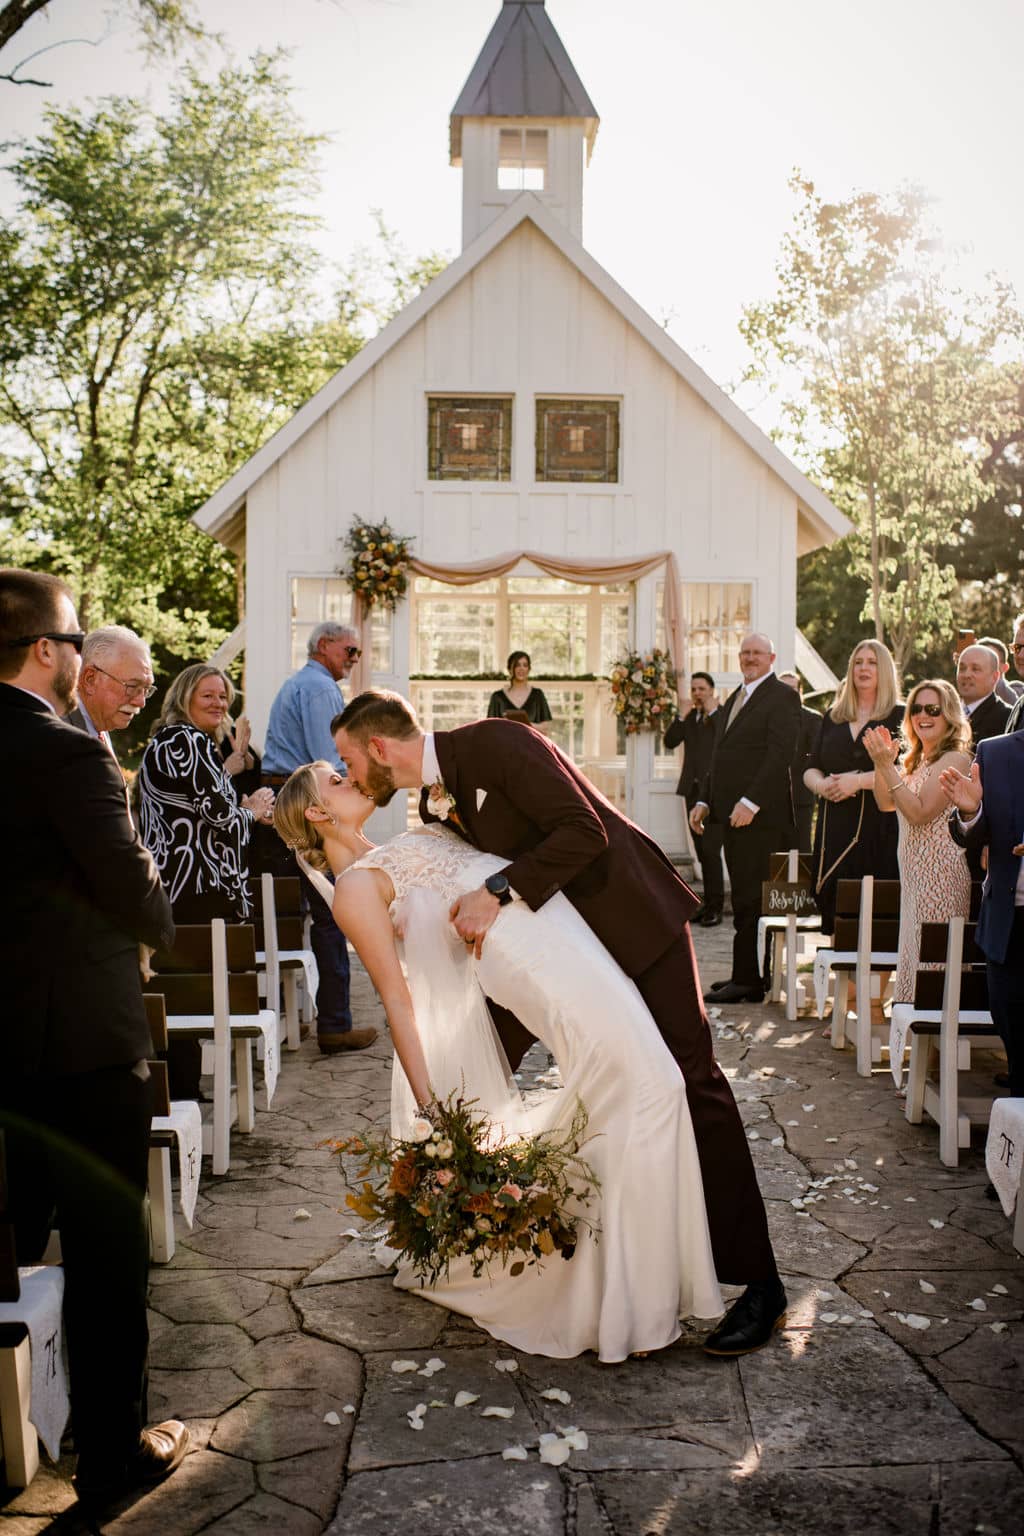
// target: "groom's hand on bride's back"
[[472, 915]]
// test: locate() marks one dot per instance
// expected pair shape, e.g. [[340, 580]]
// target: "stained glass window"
[[469, 439], [578, 440]]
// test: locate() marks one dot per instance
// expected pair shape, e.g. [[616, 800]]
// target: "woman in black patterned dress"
[[192, 822]]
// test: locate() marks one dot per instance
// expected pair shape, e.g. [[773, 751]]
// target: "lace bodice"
[[429, 857]]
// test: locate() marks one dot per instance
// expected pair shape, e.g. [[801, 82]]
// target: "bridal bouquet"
[[643, 690], [454, 1189]]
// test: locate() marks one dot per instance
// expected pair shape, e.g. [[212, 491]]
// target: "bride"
[[649, 1264]]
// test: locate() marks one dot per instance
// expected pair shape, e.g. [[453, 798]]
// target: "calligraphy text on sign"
[[782, 897]]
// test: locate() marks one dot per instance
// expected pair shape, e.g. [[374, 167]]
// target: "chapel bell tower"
[[523, 123]]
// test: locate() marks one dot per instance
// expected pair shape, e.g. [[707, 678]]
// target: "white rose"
[[422, 1130], [445, 1149]]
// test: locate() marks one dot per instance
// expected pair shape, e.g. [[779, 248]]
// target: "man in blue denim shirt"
[[300, 732]]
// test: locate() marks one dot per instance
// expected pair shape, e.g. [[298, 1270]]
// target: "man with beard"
[[513, 793], [79, 894]]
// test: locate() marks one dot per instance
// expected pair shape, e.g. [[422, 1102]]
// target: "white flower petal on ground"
[[999, 1290], [753, 1135], [807, 1108], [349, 1408], [506, 1365], [576, 1438], [828, 1317], [464, 1399], [515, 1453], [912, 1320], [848, 1162], [401, 1366], [979, 1304], [332, 1417], [494, 1412], [933, 1221], [431, 1368], [302, 1214], [555, 1453], [778, 1141], [831, 1138], [557, 1395], [998, 1327], [927, 1287]]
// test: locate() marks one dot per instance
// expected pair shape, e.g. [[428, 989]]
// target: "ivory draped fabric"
[[586, 572]]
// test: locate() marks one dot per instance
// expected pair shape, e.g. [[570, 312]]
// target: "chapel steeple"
[[521, 122]]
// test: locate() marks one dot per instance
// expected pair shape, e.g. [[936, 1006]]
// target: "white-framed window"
[[716, 615], [319, 599], [461, 637], [522, 159]]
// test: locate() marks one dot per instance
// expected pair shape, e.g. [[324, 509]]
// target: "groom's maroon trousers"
[[518, 797]]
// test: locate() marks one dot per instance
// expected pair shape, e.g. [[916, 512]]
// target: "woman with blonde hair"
[[624, 1290], [853, 838], [935, 883]]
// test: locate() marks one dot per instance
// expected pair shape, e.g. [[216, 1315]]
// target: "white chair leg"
[[917, 1076], [161, 1211], [291, 1009], [20, 1442], [840, 1003], [244, 1084], [221, 1146]]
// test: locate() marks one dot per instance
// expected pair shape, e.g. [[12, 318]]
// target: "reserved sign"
[[782, 898]]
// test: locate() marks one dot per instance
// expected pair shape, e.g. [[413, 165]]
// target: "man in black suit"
[[977, 673], [79, 894], [1016, 720], [748, 792], [697, 732], [803, 800]]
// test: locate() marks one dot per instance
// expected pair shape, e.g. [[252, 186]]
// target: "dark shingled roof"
[[523, 71]]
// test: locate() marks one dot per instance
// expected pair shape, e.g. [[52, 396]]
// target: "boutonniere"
[[440, 803]]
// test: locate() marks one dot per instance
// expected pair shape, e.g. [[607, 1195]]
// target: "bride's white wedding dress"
[[626, 1288]]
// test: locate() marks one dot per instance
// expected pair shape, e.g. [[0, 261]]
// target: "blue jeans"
[[333, 1013]]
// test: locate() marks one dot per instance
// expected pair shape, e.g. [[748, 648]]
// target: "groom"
[[509, 791]]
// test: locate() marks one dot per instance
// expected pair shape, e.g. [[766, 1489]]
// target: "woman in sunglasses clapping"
[[935, 884]]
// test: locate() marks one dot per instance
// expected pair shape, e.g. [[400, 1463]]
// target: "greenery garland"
[[378, 563], [643, 690]]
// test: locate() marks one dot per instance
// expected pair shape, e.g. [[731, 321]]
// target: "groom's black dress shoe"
[[750, 1321], [160, 1451], [733, 992], [711, 917]]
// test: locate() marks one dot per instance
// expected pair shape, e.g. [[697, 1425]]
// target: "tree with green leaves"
[[889, 387], [163, 26], [159, 319]]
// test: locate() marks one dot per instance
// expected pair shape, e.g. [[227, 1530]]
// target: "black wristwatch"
[[498, 886]]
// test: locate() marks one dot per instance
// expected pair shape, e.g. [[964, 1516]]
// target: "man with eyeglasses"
[[299, 731], [1016, 720], [79, 894], [115, 681]]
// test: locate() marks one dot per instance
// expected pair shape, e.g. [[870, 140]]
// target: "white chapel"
[[524, 402]]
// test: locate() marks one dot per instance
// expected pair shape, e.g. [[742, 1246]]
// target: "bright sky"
[[704, 111]]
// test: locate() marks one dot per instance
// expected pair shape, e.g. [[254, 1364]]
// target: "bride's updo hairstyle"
[[293, 825]]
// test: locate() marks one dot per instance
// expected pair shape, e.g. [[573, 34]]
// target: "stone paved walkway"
[[273, 1334]]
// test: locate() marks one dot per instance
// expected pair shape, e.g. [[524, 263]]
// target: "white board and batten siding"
[[524, 321]]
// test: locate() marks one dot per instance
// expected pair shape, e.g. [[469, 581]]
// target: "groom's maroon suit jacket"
[[560, 834]]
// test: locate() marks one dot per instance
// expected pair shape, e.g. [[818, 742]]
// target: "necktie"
[[737, 704]]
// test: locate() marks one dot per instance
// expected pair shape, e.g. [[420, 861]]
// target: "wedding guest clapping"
[[853, 838], [934, 881]]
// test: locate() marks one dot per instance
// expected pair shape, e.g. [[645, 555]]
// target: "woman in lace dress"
[[935, 884], [625, 1289]]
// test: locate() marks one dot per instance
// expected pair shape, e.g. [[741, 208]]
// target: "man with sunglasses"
[[299, 731], [115, 681], [78, 895]]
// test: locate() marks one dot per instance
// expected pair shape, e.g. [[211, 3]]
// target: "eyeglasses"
[[933, 711], [77, 640], [135, 686], [353, 652]]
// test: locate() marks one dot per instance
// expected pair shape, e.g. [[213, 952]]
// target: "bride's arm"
[[361, 912]]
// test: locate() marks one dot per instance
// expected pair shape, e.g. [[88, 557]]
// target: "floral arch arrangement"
[[643, 690], [378, 564]]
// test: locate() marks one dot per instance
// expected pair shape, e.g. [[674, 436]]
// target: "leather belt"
[[274, 780]]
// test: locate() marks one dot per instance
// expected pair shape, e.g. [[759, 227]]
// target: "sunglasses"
[[77, 640], [933, 711], [353, 652]]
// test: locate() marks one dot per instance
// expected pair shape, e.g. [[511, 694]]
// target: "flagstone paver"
[[890, 1403]]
